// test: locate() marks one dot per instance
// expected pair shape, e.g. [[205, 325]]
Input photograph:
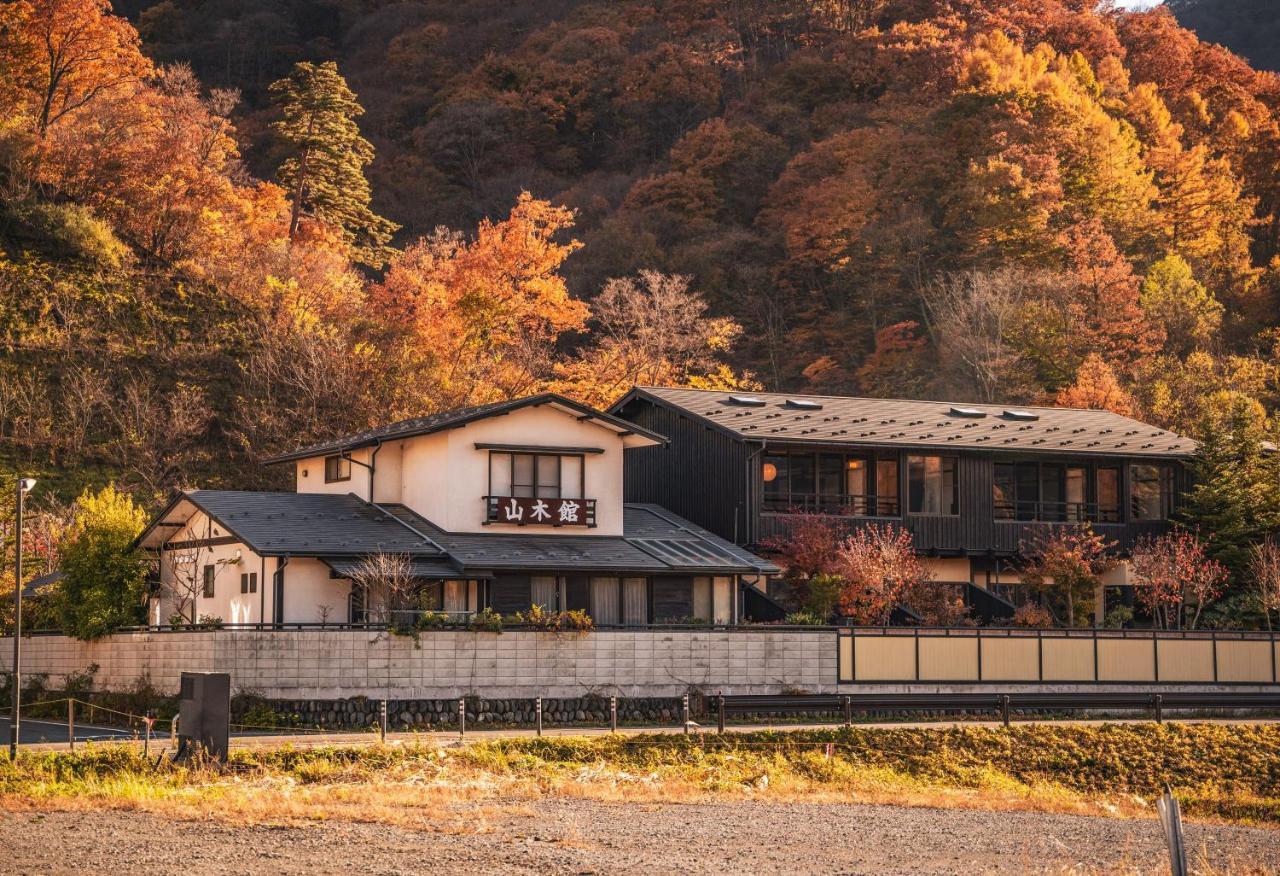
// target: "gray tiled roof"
[[654, 541], [342, 528], [308, 524], [448, 420], [781, 418]]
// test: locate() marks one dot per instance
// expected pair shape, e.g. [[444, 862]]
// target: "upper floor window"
[[931, 485], [536, 475], [1049, 491], [1107, 479], [206, 589], [337, 468], [1151, 491], [832, 483]]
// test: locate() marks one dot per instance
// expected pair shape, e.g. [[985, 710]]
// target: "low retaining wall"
[[337, 664]]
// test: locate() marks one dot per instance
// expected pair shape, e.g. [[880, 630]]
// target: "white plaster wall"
[[948, 570], [310, 475], [335, 664], [307, 587], [445, 478], [229, 562]]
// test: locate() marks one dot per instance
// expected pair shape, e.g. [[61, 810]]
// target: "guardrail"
[[998, 702]]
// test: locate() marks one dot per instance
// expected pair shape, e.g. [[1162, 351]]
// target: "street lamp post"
[[24, 487]]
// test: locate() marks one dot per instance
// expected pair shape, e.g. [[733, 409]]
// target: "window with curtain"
[[536, 475], [1151, 491], [606, 601], [932, 485], [1108, 494]]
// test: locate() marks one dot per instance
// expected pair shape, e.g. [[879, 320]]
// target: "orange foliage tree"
[[1096, 388], [465, 322]]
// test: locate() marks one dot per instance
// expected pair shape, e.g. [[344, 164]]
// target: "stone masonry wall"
[[337, 664]]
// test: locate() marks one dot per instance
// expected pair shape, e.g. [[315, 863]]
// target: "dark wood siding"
[[510, 593], [702, 475], [672, 598]]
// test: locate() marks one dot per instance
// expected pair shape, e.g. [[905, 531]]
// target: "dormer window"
[[336, 468]]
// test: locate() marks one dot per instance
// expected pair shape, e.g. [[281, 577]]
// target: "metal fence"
[[958, 655]]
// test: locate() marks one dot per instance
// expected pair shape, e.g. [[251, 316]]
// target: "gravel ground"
[[575, 836]]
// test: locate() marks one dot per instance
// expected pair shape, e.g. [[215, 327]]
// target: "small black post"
[[382, 722], [686, 713], [537, 708], [1004, 709], [462, 717], [71, 723], [613, 714], [848, 712], [1157, 703], [720, 703]]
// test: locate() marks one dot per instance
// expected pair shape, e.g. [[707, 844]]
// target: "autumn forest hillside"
[[1004, 200]]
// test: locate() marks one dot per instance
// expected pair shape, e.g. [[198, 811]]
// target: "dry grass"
[[472, 789]]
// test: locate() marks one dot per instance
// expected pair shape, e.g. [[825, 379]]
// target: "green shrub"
[[73, 232], [806, 619], [486, 620]]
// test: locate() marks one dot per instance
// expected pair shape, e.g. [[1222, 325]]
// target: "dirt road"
[[575, 836]]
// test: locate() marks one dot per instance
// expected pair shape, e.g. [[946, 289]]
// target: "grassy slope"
[[1227, 772]]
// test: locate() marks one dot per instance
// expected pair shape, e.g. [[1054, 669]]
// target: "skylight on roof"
[[967, 412], [749, 401], [1021, 415], [804, 403]]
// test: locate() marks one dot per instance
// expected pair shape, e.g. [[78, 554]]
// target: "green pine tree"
[[1234, 501], [325, 168]]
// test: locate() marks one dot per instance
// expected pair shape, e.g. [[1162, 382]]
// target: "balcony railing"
[[1056, 512], [843, 506]]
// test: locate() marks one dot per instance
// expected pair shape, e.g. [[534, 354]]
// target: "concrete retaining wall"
[[327, 665]]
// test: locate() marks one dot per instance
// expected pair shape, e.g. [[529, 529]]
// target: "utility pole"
[[24, 487]]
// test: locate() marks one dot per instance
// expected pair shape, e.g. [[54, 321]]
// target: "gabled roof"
[[299, 524], [797, 418], [340, 529], [461, 417]]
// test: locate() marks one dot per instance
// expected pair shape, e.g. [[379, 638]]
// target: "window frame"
[[208, 576], [955, 485], [248, 582], [336, 476], [1164, 491], [810, 465], [535, 467]]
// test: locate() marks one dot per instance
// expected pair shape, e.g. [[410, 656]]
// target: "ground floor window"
[[713, 599]]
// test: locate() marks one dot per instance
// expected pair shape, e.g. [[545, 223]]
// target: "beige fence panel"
[[1126, 660], [949, 658], [1244, 660], [1011, 659], [1067, 659], [1185, 659], [884, 658], [845, 661]]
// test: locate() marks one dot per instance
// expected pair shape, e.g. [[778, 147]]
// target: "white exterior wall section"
[[337, 664]]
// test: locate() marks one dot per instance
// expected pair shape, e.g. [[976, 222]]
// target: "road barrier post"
[[720, 708], [613, 714], [382, 722], [71, 723], [1157, 703], [686, 713], [537, 709], [462, 717], [147, 721], [1004, 709], [848, 712]]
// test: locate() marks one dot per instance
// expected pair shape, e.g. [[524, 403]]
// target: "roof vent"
[[967, 412], [1021, 415], [804, 403], [748, 401]]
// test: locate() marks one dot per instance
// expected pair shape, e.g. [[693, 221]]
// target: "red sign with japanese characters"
[[530, 511]]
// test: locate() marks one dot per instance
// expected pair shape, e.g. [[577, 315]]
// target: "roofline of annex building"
[[648, 393], [370, 439]]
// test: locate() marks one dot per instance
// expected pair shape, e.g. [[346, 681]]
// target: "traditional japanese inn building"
[[501, 506], [971, 482]]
